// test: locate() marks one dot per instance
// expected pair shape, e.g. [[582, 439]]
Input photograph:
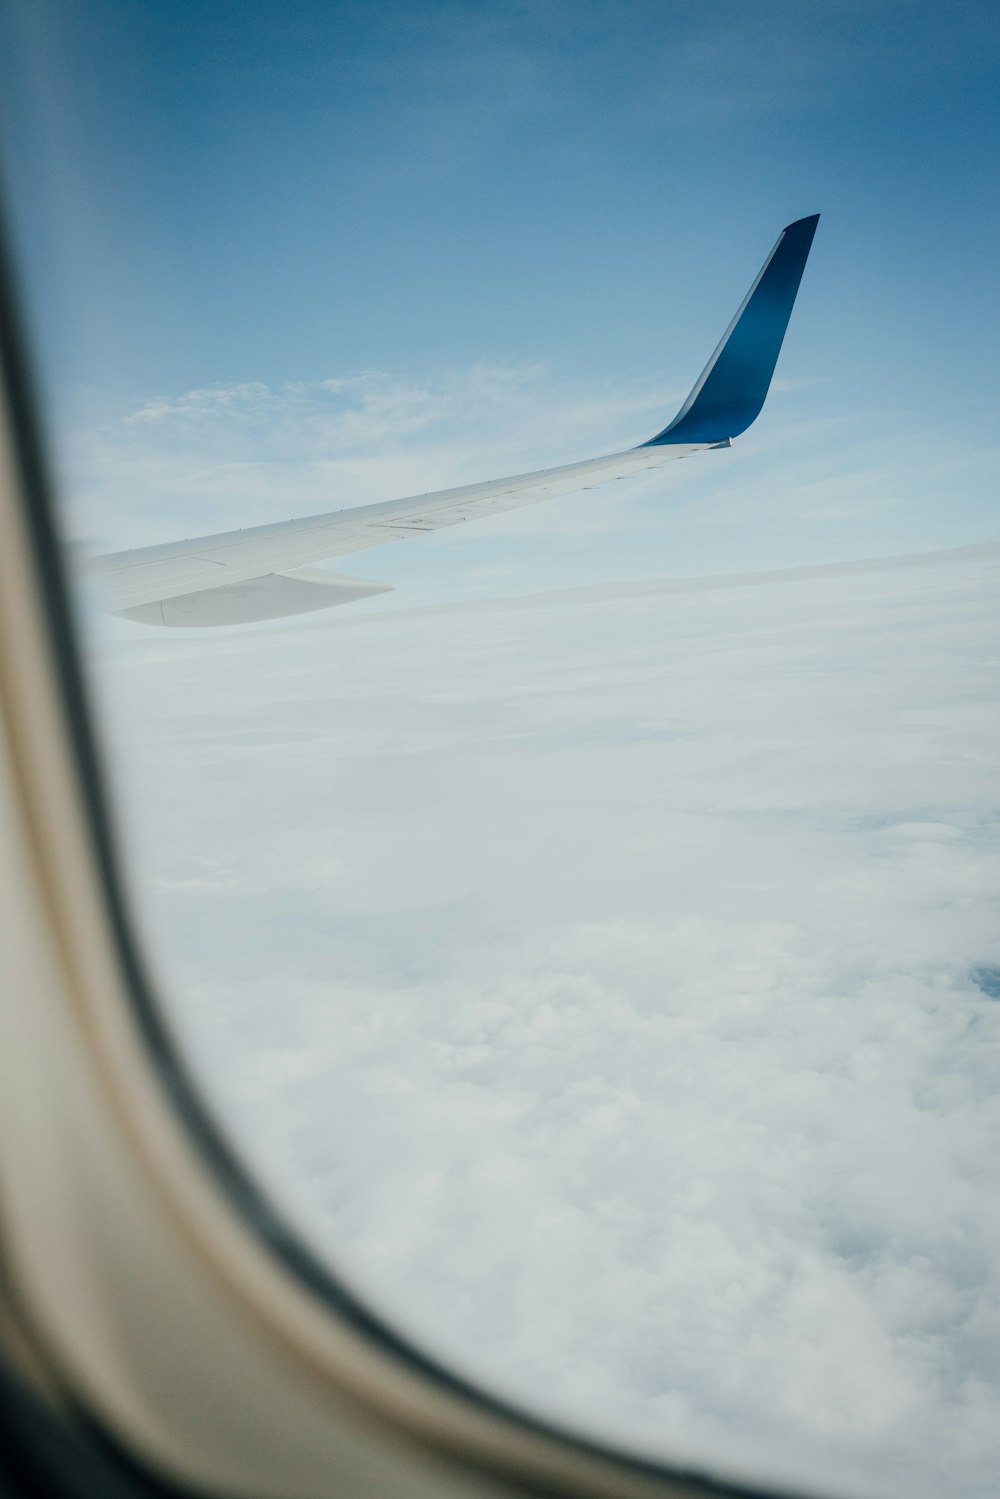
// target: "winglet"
[[733, 385]]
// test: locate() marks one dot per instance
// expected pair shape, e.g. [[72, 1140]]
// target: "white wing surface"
[[264, 572]]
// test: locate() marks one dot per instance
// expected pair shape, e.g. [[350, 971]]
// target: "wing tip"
[[730, 393], [810, 220]]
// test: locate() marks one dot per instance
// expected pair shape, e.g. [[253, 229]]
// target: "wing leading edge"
[[263, 572]]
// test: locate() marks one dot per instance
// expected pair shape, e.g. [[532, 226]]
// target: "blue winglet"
[[735, 382]]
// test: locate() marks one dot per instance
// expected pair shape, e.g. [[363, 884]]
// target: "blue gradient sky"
[[213, 194]]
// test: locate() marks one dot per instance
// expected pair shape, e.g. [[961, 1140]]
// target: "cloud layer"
[[597, 978]]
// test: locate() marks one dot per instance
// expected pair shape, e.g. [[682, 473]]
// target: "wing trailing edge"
[[272, 596]]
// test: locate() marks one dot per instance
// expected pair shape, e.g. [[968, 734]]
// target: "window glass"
[[591, 944]]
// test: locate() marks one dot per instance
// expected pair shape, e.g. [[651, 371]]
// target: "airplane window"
[[579, 912]]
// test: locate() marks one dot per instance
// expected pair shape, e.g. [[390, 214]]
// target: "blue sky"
[[217, 194]]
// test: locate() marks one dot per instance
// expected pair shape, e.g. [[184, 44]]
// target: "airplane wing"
[[263, 572]]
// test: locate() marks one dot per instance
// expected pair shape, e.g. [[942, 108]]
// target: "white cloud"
[[594, 976]]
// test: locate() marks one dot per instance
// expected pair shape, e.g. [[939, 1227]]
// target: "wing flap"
[[272, 596]]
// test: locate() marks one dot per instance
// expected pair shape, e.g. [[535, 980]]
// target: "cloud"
[[597, 978]]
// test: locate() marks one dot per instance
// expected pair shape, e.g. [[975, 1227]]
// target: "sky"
[[593, 941], [571, 199]]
